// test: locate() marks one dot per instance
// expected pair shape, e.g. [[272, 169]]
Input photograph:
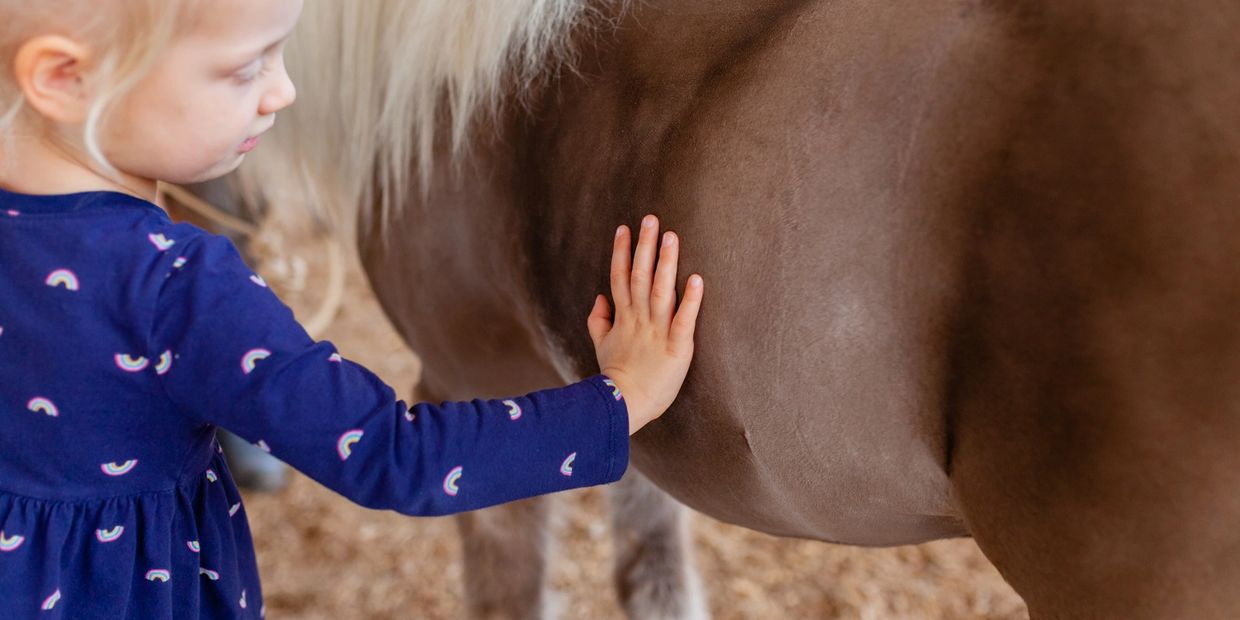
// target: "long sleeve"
[[231, 354]]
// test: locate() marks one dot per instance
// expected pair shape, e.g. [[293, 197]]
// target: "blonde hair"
[[126, 35], [382, 83]]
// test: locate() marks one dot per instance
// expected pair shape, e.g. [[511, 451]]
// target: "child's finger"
[[620, 256], [663, 292], [599, 322], [681, 335], [643, 266]]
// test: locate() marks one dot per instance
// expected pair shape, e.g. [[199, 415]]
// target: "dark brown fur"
[[973, 269]]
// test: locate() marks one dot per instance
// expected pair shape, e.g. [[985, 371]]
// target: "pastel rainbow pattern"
[[13, 212], [409, 414], [179, 262], [615, 391], [344, 445], [50, 602], [211, 477], [10, 543], [38, 404], [62, 277], [252, 358], [193, 546], [128, 363], [242, 599], [262, 445], [335, 357], [158, 574], [160, 241], [514, 410], [208, 573], [119, 469], [450, 481], [232, 510], [107, 536], [257, 279], [164, 364], [566, 467]]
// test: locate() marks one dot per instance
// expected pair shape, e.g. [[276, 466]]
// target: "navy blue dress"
[[125, 339]]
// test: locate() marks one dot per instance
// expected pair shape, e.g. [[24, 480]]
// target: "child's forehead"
[[243, 23]]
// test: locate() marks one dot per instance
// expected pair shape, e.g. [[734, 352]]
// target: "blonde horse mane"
[[377, 78]]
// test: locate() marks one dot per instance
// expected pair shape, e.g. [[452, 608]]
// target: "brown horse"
[[974, 265]]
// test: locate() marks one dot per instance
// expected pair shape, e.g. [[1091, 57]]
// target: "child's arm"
[[240, 360]]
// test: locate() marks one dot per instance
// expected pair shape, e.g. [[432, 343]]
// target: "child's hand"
[[647, 350]]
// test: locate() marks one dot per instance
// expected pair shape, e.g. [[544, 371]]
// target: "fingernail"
[[619, 231], [695, 280], [669, 238], [648, 221]]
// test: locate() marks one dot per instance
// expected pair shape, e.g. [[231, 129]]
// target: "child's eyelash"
[[250, 75]]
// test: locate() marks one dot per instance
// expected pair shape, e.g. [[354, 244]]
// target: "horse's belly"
[[816, 404], [816, 178]]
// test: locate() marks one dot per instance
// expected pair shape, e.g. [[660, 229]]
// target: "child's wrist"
[[638, 406]]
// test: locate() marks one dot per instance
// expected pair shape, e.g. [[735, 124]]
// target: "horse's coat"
[[973, 270]]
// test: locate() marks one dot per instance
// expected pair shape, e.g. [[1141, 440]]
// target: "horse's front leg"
[[656, 577], [505, 559], [504, 553]]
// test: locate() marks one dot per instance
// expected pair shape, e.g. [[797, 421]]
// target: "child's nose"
[[279, 96]]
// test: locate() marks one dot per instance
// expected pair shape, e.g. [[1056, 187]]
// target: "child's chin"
[[218, 171]]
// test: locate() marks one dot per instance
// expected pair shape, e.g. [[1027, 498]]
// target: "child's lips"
[[252, 141]]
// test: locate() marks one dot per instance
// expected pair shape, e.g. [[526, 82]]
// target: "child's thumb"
[[599, 322]]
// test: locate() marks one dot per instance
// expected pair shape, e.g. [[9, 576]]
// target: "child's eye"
[[250, 73]]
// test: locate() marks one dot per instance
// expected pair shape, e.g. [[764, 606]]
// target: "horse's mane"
[[376, 78]]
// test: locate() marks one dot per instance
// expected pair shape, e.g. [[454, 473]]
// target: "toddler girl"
[[126, 339]]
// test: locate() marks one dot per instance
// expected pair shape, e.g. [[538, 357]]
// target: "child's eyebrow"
[[273, 44]]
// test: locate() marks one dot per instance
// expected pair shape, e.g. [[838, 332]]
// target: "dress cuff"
[[618, 426]]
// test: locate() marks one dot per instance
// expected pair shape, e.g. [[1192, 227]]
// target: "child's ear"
[[51, 71]]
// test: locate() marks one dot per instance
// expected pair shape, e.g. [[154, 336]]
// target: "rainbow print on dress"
[[10, 543], [344, 445], [50, 602], [158, 574], [252, 358], [160, 241], [211, 477], [514, 410], [193, 546], [62, 277], [119, 469], [110, 535], [450, 482], [128, 363], [208, 573], [164, 364], [38, 404], [566, 467], [615, 391]]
